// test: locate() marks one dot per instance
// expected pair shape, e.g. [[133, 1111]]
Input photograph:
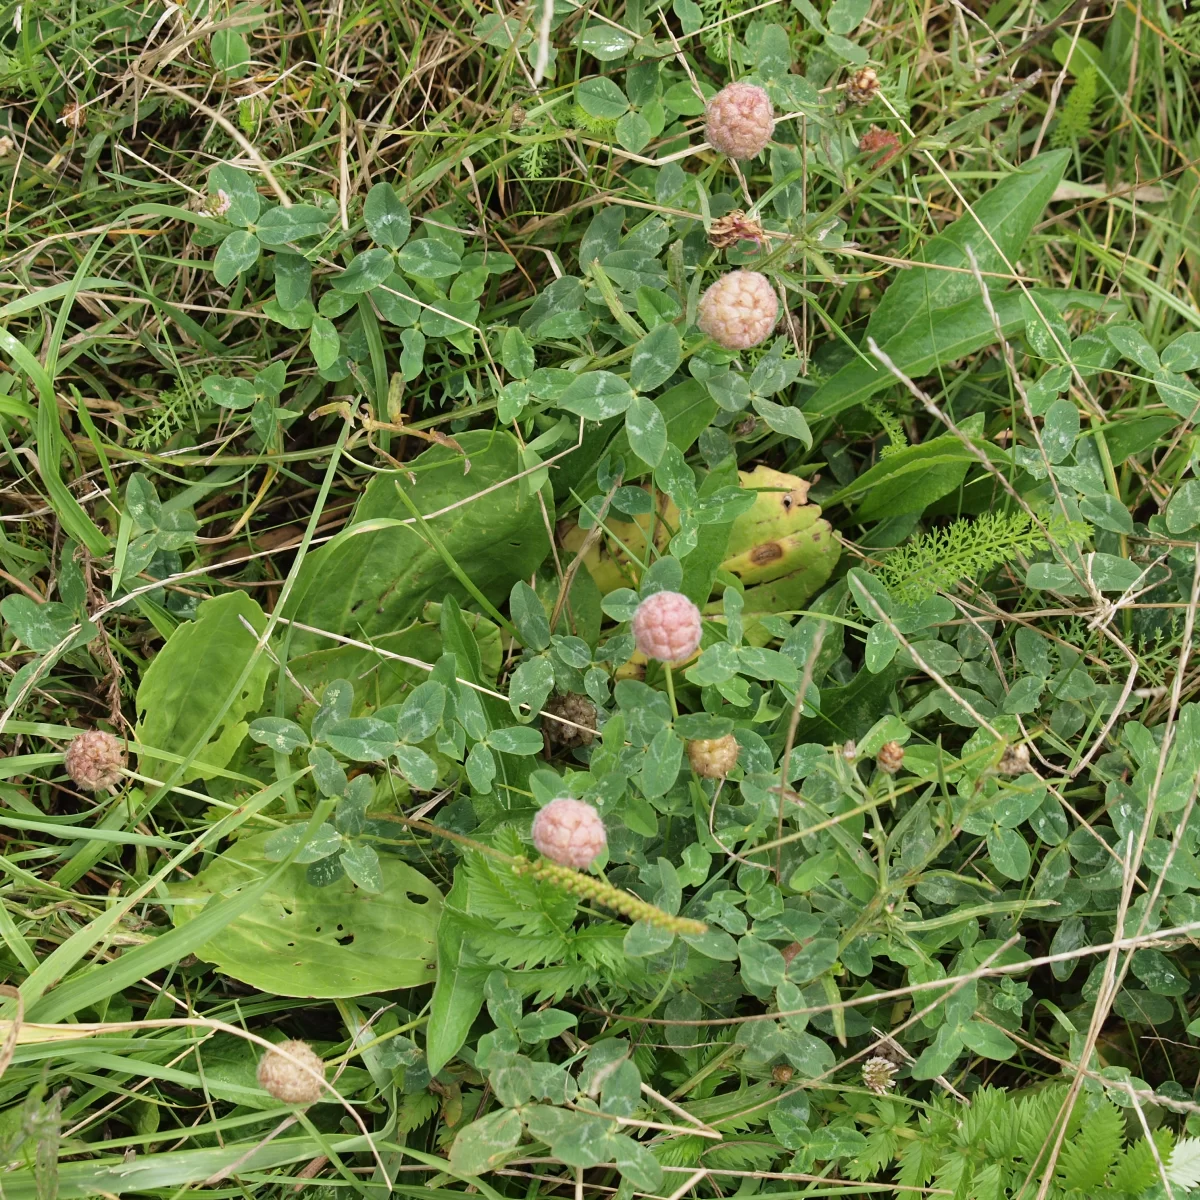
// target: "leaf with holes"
[[329, 942]]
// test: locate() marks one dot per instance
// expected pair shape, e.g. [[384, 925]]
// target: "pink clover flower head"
[[569, 832], [740, 120], [739, 310], [667, 627]]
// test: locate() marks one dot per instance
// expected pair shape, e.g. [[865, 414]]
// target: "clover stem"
[[671, 691]]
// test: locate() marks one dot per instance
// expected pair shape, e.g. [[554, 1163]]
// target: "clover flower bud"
[[739, 310], [287, 1080], [667, 627], [740, 120], [890, 757], [94, 760], [577, 726], [569, 832], [713, 758]]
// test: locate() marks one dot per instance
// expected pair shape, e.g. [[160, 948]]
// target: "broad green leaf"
[[361, 739], [531, 684], [987, 1041], [417, 767], [516, 354], [376, 576], [40, 626], [386, 216], [655, 358], [298, 940], [910, 479], [660, 768], [188, 683], [324, 342], [282, 842], [634, 132], [944, 337], [366, 271], [517, 739], [279, 733], [234, 394], [1132, 344], [845, 16], [1109, 513], [1004, 215], [1060, 429], [428, 258], [363, 867], [412, 357], [230, 52], [646, 429], [458, 986], [597, 395], [484, 1144], [783, 419], [761, 962], [396, 302], [937, 1058], [603, 41], [279, 226], [1182, 354], [237, 253], [1183, 511], [600, 97], [421, 712], [1008, 853], [293, 280], [529, 616]]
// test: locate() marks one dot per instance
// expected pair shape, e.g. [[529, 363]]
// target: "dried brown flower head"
[[734, 227], [890, 757], [876, 140], [862, 87], [73, 116], [94, 760], [1014, 760]]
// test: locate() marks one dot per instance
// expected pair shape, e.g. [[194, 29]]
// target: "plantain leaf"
[[188, 683]]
